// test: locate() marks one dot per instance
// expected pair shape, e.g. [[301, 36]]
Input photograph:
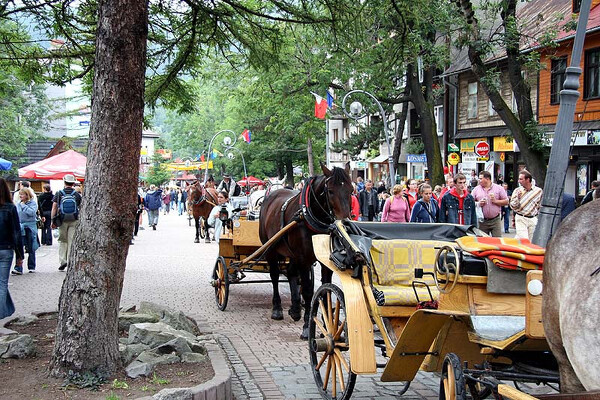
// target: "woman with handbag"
[[27, 210], [45, 210]]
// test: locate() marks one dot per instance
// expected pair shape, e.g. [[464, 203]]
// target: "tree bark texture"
[[289, 173], [87, 335], [424, 107], [521, 89], [311, 163]]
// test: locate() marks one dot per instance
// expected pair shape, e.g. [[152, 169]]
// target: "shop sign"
[[414, 158], [454, 148], [483, 159], [468, 145], [502, 143], [593, 138], [482, 148], [578, 138], [453, 158], [361, 164], [502, 156], [469, 158]]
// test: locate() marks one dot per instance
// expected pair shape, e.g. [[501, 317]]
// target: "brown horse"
[[324, 198], [202, 200], [571, 298]]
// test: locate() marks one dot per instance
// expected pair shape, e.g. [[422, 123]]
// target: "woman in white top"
[[214, 218]]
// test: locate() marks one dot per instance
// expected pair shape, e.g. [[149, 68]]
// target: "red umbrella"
[[251, 180], [56, 167]]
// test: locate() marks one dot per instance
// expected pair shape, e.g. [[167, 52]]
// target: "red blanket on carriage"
[[506, 253]]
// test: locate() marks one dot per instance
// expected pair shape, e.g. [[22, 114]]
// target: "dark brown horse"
[[324, 199], [202, 200]]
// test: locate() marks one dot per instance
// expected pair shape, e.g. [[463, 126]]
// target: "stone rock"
[[126, 319], [24, 320], [176, 319], [16, 346], [193, 357], [178, 345], [123, 340], [129, 308], [174, 394], [198, 348], [144, 363], [129, 352], [155, 334]]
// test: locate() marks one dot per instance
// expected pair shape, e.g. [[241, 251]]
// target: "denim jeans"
[[28, 241], [180, 207], [7, 307]]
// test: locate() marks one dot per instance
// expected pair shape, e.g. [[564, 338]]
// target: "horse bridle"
[[203, 198], [312, 222]]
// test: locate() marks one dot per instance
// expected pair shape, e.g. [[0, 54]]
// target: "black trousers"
[[47, 229]]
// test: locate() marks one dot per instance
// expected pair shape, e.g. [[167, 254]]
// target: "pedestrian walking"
[[426, 209], [526, 201], [27, 210], [412, 194], [506, 208], [396, 208], [458, 206], [11, 242], [449, 185], [45, 210], [180, 201], [152, 202], [166, 199], [65, 217], [369, 204], [174, 199], [138, 214], [490, 197], [589, 196], [354, 206], [567, 206]]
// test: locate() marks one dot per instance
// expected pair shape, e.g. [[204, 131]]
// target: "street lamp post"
[[231, 157], [227, 141], [357, 112]]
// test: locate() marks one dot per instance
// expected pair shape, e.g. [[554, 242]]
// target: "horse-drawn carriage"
[[420, 295]]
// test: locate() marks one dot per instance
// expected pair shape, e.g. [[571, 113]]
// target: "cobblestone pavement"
[[165, 266]]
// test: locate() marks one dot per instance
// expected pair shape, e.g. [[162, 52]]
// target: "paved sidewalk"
[[165, 266]]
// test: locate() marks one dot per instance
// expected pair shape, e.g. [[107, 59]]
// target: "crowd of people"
[[478, 201]]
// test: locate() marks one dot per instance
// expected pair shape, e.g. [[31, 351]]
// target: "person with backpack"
[[152, 202], [65, 216]]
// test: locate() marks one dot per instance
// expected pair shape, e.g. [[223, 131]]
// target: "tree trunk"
[[87, 335], [400, 131], [429, 135], [311, 163], [289, 173], [517, 125]]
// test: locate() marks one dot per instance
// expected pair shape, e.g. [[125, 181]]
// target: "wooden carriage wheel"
[[220, 281], [452, 382], [328, 344]]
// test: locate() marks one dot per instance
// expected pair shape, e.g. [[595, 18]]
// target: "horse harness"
[[204, 198], [305, 213]]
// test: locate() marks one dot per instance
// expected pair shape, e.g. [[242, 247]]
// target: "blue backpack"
[[68, 206]]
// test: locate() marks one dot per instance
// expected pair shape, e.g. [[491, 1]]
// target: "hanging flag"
[[320, 106], [247, 135], [329, 100], [202, 157], [215, 153]]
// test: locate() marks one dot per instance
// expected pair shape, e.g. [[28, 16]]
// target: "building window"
[[592, 74], [557, 78], [335, 136], [576, 6], [472, 102], [491, 111], [438, 113]]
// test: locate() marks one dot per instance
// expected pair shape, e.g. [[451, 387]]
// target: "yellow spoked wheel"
[[452, 382], [220, 281], [444, 270], [328, 344]]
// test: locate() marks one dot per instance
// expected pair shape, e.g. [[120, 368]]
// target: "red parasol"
[[54, 168], [251, 180]]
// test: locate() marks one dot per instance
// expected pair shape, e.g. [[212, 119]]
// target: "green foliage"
[[158, 381], [112, 396], [117, 384], [86, 380], [537, 139], [414, 146], [158, 173]]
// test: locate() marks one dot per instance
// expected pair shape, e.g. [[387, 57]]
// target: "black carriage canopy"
[[412, 231]]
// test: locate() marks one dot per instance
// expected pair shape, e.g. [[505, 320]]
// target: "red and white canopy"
[[250, 180], [56, 167]]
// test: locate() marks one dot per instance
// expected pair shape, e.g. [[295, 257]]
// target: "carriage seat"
[[394, 262]]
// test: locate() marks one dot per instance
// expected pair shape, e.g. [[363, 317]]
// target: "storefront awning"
[[482, 132], [382, 158]]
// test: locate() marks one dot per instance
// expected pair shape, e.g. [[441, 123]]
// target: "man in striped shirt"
[[525, 202]]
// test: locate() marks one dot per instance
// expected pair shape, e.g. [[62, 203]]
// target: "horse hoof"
[[295, 314], [277, 315], [196, 240], [304, 335]]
